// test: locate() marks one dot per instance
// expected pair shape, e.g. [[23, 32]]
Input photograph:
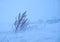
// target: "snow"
[[43, 15], [36, 33]]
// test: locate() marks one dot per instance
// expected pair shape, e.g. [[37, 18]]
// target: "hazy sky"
[[36, 9]]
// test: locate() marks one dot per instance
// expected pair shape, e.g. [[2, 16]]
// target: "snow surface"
[[43, 32], [46, 29]]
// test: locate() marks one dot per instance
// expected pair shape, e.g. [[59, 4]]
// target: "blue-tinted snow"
[[44, 16]]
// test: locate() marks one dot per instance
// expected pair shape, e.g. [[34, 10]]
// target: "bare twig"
[[21, 21]]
